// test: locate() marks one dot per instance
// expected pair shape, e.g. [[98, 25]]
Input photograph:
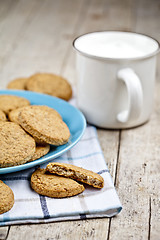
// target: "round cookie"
[[16, 146], [54, 186], [44, 125], [41, 150], [6, 198], [50, 84], [18, 83], [2, 116], [10, 102], [13, 115]]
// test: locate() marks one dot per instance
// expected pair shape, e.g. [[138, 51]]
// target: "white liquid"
[[116, 45]]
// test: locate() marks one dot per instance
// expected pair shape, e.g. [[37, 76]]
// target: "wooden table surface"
[[37, 35]]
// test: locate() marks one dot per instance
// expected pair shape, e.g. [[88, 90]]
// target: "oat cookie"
[[54, 186], [18, 83], [10, 102], [77, 173], [44, 125], [13, 115], [41, 150], [6, 198], [50, 84], [16, 146], [2, 116]]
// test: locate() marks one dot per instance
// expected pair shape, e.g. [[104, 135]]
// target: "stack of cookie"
[[26, 131], [46, 83]]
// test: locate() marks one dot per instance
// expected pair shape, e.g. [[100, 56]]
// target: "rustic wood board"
[[36, 36]]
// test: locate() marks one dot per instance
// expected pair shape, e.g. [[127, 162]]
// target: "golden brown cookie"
[[18, 83], [41, 150], [54, 186], [6, 198], [50, 84], [10, 102], [2, 116], [77, 173], [44, 125], [16, 146], [13, 115]]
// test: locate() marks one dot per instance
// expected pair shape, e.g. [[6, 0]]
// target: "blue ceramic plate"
[[71, 116]]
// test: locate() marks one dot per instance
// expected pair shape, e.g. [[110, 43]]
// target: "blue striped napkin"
[[31, 207]]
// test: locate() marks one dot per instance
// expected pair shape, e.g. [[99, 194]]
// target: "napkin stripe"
[[15, 178], [82, 202], [44, 206], [83, 216], [103, 171]]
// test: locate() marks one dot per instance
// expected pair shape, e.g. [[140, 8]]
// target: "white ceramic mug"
[[116, 77]]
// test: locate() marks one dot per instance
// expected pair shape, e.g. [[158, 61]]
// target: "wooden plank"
[[153, 170], [6, 7], [91, 18], [43, 44], [86, 230], [4, 232], [147, 13], [154, 223], [35, 51], [137, 183], [138, 167], [109, 141], [12, 26]]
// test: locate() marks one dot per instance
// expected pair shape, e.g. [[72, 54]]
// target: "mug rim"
[[117, 59]]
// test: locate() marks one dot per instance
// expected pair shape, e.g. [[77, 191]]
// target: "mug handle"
[[135, 95]]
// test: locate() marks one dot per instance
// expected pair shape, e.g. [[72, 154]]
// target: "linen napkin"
[[30, 207]]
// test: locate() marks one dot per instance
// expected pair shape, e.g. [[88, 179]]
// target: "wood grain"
[[86, 229], [36, 36], [139, 164], [4, 232], [138, 167]]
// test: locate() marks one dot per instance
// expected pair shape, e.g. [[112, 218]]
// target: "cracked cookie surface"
[[77, 173]]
